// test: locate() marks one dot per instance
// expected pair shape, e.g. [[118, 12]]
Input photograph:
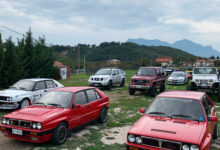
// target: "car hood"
[[36, 113], [13, 93], [173, 77], [205, 77], [174, 130], [143, 77], [100, 76]]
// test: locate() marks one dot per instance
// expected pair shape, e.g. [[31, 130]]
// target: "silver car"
[[178, 77]]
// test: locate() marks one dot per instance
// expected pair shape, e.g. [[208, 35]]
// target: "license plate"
[[138, 86], [18, 132], [96, 85], [204, 85]]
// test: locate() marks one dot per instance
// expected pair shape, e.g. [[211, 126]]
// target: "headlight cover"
[[185, 147], [34, 125], [194, 147], [4, 121], [131, 138], [7, 121], [138, 140], [9, 99], [39, 126]]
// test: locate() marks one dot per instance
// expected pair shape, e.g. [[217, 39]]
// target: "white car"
[[25, 92], [108, 77], [178, 77]]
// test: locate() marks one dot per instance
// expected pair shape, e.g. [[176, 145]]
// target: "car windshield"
[[204, 71], [169, 68], [146, 71], [55, 99], [177, 74], [187, 109], [23, 85], [104, 72]]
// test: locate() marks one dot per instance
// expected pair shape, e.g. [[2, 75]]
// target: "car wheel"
[[131, 91], [24, 103], [162, 87], [103, 116], [109, 85], [60, 134], [154, 91], [122, 82], [219, 94], [215, 133]]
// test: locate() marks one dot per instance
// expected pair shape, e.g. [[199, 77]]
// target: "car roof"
[[38, 79], [183, 94], [151, 67], [73, 88]]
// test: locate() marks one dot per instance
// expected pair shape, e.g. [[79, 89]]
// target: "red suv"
[[175, 120], [55, 113], [148, 79]]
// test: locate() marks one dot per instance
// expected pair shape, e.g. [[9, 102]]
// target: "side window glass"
[[208, 103], [80, 98], [40, 85], [91, 95], [205, 107], [114, 73], [50, 84], [117, 72], [97, 95]]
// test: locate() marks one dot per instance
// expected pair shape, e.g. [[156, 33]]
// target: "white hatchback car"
[[25, 92]]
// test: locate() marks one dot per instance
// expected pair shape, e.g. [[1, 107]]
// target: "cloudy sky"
[[69, 22]]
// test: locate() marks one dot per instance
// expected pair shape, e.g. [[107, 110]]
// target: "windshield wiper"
[[185, 116], [40, 103], [22, 88], [160, 113], [54, 104], [13, 87]]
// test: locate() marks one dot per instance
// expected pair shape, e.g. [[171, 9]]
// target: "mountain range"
[[185, 45]]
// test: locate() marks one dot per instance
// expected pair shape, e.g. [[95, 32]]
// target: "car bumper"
[[141, 87], [8, 105], [98, 83], [28, 135], [175, 82], [131, 146]]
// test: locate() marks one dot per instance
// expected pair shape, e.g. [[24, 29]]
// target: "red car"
[[55, 113], [175, 120]]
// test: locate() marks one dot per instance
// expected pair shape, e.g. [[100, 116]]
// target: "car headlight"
[[7, 121], [9, 99], [131, 138], [138, 140], [4, 121], [185, 147], [34, 125], [194, 147], [39, 126], [197, 80]]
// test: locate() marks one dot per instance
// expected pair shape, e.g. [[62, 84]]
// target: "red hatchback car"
[[55, 113], [175, 120]]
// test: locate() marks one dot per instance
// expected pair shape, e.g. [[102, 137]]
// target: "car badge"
[[160, 143]]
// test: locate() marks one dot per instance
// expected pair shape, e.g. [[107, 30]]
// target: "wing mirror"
[[114, 74], [142, 110], [213, 119], [77, 106]]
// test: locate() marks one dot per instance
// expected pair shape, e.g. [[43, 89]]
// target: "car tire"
[[109, 85], [24, 103], [219, 94], [153, 91], [162, 87], [215, 133], [60, 134], [103, 116], [131, 91], [122, 82]]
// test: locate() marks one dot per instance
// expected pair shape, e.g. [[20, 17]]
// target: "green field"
[[124, 111]]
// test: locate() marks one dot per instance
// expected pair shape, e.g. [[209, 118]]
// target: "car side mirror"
[[142, 110], [213, 119], [77, 106], [114, 74]]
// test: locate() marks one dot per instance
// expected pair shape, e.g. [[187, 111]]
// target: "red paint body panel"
[[50, 117]]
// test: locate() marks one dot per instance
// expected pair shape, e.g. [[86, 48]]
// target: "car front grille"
[[203, 81], [141, 81], [160, 143], [96, 79], [20, 123], [3, 98]]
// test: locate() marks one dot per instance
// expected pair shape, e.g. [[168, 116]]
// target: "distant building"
[[64, 71], [205, 63], [165, 61], [113, 62], [200, 63]]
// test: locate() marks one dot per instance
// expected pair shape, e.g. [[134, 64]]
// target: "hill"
[[185, 45]]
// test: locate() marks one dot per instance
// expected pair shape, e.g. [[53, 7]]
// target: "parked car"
[[108, 77], [148, 79], [189, 74], [25, 92], [175, 120], [178, 77], [205, 79], [169, 70], [53, 115]]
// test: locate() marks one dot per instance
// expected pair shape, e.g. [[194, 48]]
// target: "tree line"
[[28, 58]]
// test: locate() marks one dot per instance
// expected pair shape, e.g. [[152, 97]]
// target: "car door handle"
[[87, 106]]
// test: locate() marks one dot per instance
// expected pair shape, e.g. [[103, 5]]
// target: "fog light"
[[34, 139], [33, 133], [3, 128]]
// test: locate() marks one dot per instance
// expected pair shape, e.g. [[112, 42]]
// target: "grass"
[[128, 113]]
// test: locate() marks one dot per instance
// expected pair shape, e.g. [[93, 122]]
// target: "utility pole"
[[84, 63], [78, 71]]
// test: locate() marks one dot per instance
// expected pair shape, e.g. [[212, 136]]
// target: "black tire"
[[189, 88], [131, 91], [153, 91], [122, 82], [109, 85], [215, 133], [103, 116], [219, 94], [162, 87], [60, 134], [24, 103]]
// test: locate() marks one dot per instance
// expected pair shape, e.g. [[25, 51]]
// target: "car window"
[[206, 107], [91, 95], [50, 84], [117, 72], [208, 103], [80, 98], [40, 85], [97, 95], [114, 72]]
